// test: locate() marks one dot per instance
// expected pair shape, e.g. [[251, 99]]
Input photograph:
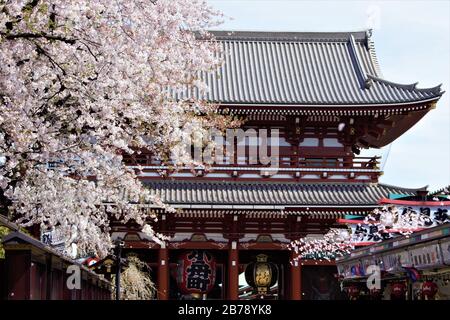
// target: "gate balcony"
[[334, 168]]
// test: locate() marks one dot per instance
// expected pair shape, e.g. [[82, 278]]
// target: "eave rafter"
[[375, 110]]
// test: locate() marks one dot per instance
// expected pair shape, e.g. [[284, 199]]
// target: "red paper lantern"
[[196, 273], [353, 291], [398, 290], [429, 290], [375, 294]]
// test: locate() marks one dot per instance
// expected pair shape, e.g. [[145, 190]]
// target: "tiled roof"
[[303, 69], [227, 194], [4, 221], [442, 191]]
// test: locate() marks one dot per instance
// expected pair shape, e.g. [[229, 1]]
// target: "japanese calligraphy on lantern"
[[196, 272]]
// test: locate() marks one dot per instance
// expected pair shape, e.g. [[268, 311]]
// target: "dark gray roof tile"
[[303, 68], [286, 194]]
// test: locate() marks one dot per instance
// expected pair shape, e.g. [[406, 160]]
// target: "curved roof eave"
[[410, 87], [300, 105], [403, 188]]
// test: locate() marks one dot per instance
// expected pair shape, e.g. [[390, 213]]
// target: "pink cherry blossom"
[[82, 82]]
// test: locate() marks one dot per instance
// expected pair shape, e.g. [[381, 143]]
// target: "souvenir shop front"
[[414, 267]]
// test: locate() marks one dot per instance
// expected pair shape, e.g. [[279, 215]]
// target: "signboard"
[[366, 262], [399, 219], [53, 238], [379, 262], [350, 270], [342, 269], [445, 247], [394, 261], [425, 256]]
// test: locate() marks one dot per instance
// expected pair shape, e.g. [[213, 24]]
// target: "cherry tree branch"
[[29, 35]]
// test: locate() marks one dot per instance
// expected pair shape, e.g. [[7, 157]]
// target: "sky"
[[412, 42]]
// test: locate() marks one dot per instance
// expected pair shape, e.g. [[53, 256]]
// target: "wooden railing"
[[284, 161]]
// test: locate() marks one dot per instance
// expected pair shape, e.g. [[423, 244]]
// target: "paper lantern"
[[196, 272], [353, 292], [261, 275], [375, 294], [429, 290], [398, 290]]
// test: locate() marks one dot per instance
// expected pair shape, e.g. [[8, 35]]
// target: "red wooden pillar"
[[163, 273], [19, 275], [233, 271], [296, 277]]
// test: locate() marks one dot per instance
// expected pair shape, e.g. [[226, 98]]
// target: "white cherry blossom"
[[81, 83]]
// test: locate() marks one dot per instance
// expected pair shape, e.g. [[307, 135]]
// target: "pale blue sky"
[[412, 41]]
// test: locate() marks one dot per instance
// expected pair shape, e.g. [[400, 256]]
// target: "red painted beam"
[[414, 203]]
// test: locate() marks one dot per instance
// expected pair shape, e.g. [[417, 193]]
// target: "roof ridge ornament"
[[365, 81], [368, 83], [436, 89], [368, 40]]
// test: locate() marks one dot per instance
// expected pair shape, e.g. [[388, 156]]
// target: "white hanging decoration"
[[333, 244]]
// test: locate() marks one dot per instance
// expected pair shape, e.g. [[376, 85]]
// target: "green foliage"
[[3, 232]]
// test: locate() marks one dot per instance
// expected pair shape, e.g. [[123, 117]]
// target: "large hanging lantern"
[[375, 294], [429, 290], [398, 291], [261, 275], [353, 292], [196, 272]]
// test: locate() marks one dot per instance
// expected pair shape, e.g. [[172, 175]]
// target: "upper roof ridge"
[[403, 188], [289, 35]]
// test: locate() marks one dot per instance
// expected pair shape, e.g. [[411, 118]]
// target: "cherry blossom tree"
[[335, 243], [83, 82]]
